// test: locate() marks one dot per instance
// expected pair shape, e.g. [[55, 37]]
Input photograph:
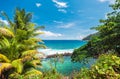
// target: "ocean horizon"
[[61, 46]]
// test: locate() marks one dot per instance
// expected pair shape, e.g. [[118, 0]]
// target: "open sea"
[[62, 46]]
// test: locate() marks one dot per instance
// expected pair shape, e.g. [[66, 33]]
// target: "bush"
[[107, 66]]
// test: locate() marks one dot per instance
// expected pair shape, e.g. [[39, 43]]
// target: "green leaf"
[[18, 65]]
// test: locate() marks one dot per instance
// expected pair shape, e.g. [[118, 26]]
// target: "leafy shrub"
[[106, 67]]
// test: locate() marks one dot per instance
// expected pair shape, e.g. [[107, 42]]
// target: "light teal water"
[[61, 46], [66, 67]]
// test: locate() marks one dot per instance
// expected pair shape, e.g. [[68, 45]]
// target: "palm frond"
[[32, 41], [15, 75], [28, 17], [39, 46], [5, 43], [30, 26], [35, 63], [6, 32], [18, 65], [32, 64], [4, 67], [3, 58], [26, 59], [39, 28], [37, 33], [32, 73], [29, 53], [6, 16]]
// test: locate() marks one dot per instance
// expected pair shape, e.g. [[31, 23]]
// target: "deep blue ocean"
[[62, 46]]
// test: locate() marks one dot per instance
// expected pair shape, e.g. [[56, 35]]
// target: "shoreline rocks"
[[56, 55]]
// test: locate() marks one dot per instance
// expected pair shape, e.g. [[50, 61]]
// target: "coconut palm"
[[18, 44]]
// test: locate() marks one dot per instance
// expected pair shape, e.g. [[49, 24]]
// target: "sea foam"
[[55, 51]]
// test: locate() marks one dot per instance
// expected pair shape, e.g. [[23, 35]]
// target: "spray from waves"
[[55, 51]]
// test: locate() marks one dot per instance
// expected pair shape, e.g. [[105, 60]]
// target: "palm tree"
[[18, 44]]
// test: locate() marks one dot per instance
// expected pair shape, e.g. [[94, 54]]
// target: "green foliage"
[[18, 65], [106, 67], [53, 74], [108, 34], [18, 45], [6, 32], [35, 74], [3, 58]]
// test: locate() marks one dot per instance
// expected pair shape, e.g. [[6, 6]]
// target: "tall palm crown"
[[18, 41]]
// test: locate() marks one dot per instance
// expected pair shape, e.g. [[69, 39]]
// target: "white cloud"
[[59, 22], [49, 34], [60, 4], [110, 1], [38, 4], [4, 21], [62, 10], [68, 25]]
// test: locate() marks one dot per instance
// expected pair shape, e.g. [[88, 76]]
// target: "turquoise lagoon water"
[[62, 46]]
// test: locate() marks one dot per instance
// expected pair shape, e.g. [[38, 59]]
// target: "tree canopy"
[[107, 38], [18, 46]]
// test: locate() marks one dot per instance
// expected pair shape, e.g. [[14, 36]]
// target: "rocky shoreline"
[[56, 55]]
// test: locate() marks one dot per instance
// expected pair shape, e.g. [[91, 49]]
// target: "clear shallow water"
[[66, 67], [62, 46]]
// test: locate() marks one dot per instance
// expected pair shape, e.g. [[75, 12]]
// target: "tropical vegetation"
[[18, 46], [106, 67], [104, 46], [106, 39]]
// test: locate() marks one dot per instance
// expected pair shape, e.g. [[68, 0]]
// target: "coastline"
[[49, 53], [57, 55]]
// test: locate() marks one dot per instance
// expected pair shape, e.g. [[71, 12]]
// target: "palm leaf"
[[28, 17], [5, 43], [26, 59], [40, 46], [39, 28], [6, 16], [37, 33], [6, 32], [15, 75], [18, 64], [4, 58], [32, 73], [32, 64], [29, 53], [32, 41], [35, 63], [4, 67]]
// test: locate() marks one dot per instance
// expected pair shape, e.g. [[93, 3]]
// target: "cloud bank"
[[4, 21], [49, 34], [110, 1]]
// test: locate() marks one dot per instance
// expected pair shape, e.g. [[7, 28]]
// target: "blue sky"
[[63, 19]]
